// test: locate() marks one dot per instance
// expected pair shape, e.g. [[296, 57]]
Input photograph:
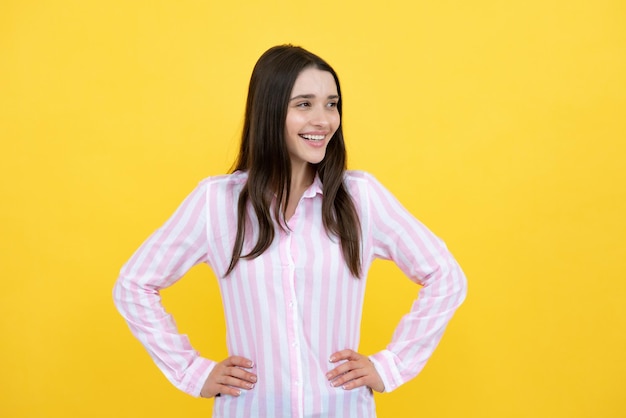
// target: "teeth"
[[313, 137]]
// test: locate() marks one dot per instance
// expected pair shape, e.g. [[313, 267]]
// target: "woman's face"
[[312, 117]]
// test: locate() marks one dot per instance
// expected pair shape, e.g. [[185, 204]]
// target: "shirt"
[[292, 307]]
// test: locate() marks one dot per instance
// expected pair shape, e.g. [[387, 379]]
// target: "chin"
[[316, 161]]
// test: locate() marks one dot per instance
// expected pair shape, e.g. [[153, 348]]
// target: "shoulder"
[[224, 182], [356, 176], [363, 186], [360, 186], [220, 193], [358, 180]]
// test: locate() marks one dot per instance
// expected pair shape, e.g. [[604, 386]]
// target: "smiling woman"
[[291, 234]]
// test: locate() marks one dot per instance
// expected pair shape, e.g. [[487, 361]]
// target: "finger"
[[347, 371], [365, 376], [356, 383], [347, 366], [235, 382], [346, 354], [342, 379], [239, 362], [214, 388], [340, 370], [227, 390], [241, 374]]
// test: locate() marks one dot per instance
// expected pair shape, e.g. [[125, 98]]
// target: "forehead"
[[316, 82]]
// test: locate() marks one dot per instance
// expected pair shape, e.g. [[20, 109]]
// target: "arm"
[[159, 262], [424, 258]]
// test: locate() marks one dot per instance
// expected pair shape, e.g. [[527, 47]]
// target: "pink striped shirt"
[[295, 305]]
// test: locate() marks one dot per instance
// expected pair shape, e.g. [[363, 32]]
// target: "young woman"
[[291, 235]]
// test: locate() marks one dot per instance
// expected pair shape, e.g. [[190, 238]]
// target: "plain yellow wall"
[[499, 124]]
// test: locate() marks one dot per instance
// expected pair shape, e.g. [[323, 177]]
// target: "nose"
[[320, 117]]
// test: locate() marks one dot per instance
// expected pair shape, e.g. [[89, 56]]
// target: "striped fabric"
[[291, 308]]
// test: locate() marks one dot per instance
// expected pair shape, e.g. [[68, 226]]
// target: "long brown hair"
[[263, 154]]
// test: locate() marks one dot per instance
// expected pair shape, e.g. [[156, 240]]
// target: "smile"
[[313, 137]]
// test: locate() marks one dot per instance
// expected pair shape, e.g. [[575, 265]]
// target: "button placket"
[[293, 331]]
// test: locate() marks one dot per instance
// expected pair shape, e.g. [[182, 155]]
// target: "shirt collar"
[[315, 188]]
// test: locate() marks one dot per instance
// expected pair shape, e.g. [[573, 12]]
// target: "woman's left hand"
[[356, 371]]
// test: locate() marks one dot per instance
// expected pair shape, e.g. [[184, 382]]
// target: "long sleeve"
[[424, 258], [159, 262]]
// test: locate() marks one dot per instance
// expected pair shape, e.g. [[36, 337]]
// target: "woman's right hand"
[[228, 377]]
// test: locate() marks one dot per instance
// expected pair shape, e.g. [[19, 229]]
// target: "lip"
[[315, 144], [323, 133]]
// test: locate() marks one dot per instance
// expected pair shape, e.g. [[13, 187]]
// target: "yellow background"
[[500, 124]]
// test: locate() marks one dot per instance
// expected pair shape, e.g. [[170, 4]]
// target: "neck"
[[302, 176]]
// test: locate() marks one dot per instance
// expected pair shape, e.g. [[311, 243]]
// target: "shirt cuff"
[[385, 363], [196, 375]]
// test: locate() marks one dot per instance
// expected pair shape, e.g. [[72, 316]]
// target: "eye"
[[332, 104], [303, 104]]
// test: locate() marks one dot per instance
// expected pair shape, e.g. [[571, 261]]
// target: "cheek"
[[292, 124], [336, 122]]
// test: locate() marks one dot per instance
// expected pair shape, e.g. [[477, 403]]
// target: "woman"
[[291, 235]]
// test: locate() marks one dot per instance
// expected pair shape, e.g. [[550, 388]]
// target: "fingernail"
[[328, 375], [250, 364], [250, 385], [253, 378], [238, 392], [331, 359]]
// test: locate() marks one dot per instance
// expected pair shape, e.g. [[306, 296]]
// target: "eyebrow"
[[312, 96]]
